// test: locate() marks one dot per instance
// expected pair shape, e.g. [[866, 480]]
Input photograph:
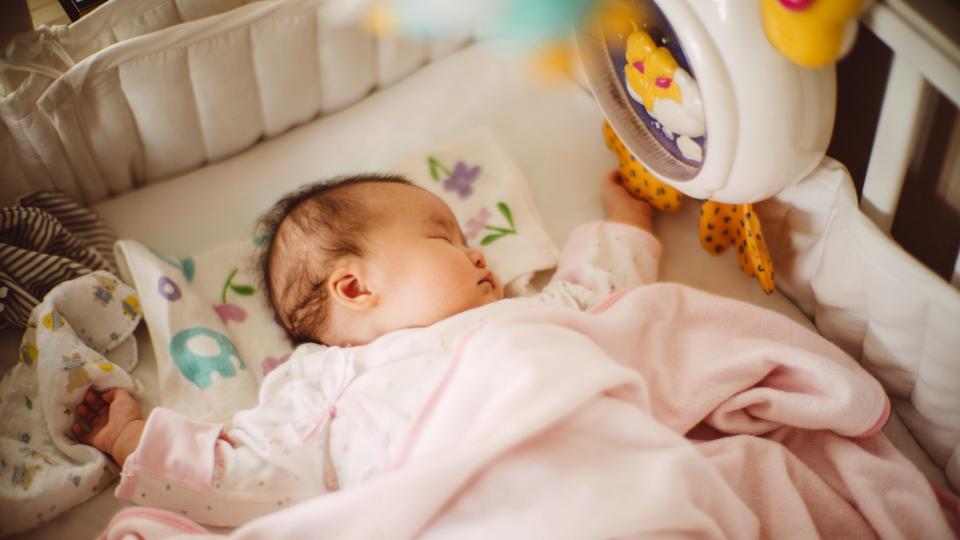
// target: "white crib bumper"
[[874, 300], [167, 102]]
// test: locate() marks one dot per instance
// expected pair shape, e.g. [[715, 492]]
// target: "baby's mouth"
[[488, 279]]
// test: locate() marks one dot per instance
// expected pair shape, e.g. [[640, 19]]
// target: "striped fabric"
[[46, 239]]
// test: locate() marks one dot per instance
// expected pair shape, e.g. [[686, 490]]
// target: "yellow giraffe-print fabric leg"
[[723, 225], [640, 182]]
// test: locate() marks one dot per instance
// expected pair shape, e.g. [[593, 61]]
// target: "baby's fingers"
[[81, 429], [98, 421], [94, 401]]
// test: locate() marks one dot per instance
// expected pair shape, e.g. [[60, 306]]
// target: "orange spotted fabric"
[[724, 225], [640, 182], [721, 225]]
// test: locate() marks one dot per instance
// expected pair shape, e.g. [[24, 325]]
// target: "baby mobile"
[[662, 89]]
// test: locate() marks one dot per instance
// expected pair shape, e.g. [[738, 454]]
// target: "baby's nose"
[[477, 259]]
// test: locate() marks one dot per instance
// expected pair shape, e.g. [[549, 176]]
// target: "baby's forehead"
[[411, 204], [371, 207]]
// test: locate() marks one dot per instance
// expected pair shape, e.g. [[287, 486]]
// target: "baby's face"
[[420, 264]]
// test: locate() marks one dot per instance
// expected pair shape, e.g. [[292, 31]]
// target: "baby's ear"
[[348, 288]]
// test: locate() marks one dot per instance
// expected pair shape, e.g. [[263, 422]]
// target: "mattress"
[[550, 128]]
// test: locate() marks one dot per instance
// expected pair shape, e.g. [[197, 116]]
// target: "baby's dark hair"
[[323, 218]]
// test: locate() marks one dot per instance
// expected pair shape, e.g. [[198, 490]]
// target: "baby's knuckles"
[[121, 411]]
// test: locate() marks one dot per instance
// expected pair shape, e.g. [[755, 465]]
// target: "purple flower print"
[[461, 179], [476, 224]]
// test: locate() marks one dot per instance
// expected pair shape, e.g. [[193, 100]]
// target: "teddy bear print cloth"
[[80, 335]]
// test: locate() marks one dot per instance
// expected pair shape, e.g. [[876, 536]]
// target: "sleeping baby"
[[444, 408], [374, 268]]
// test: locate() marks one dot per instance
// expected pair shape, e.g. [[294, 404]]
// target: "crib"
[[164, 169]]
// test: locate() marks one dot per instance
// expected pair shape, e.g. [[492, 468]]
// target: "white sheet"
[[552, 132]]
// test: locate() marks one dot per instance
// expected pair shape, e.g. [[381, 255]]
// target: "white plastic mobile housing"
[[768, 121]]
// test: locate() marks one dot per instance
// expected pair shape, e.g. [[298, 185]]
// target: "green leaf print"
[[239, 288], [500, 232], [505, 210], [436, 168], [491, 238], [242, 290]]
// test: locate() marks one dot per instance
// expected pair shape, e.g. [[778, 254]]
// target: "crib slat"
[[895, 142], [929, 45], [955, 280]]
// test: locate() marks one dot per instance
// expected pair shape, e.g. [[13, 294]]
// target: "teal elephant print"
[[196, 363]]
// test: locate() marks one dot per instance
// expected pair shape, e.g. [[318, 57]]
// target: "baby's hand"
[[109, 421], [621, 207]]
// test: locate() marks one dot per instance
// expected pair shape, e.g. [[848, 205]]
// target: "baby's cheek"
[[452, 295], [430, 301]]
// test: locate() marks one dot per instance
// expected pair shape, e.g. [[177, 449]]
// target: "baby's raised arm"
[[600, 258], [621, 207], [110, 421]]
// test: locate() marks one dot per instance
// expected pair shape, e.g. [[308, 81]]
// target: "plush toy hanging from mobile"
[[727, 101], [700, 102], [671, 97]]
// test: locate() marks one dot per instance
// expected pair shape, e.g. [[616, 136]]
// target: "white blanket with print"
[[81, 335]]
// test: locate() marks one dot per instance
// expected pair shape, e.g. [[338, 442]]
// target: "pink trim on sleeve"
[[948, 500], [882, 421], [173, 448], [610, 300], [162, 517]]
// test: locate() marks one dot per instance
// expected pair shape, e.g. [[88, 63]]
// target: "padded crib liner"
[[166, 102], [874, 300]]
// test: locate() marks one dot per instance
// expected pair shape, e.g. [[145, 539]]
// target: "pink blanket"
[[666, 412]]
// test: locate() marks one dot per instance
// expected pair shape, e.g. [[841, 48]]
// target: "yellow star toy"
[[721, 225]]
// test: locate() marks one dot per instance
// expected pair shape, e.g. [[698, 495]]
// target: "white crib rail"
[[923, 37]]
